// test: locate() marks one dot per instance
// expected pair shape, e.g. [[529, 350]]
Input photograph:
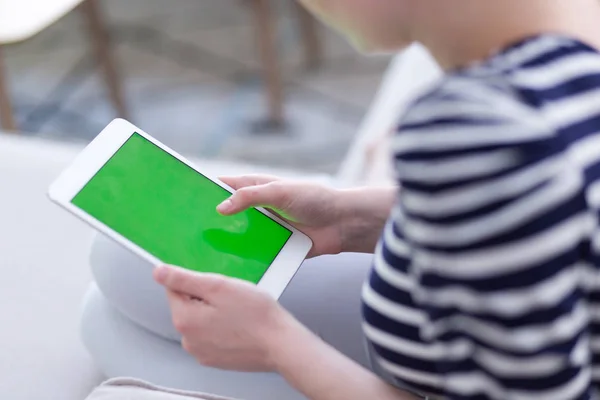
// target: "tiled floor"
[[191, 80]]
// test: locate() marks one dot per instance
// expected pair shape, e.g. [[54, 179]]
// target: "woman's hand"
[[225, 323], [231, 324], [336, 220], [311, 208]]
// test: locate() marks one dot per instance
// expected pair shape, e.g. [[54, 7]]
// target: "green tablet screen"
[[169, 209]]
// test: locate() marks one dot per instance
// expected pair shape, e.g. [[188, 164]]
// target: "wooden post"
[[7, 120], [266, 32], [101, 44], [311, 41]]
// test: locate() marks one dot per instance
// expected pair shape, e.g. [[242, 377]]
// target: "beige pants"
[[132, 389]]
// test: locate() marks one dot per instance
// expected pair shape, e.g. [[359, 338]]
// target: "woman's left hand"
[[225, 323]]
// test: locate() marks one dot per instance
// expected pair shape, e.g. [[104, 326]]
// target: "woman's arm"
[[236, 326], [322, 373], [365, 212]]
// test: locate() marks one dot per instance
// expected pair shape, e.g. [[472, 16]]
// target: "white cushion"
[[369, 161]]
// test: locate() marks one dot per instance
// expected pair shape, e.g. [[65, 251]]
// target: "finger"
[[272, 195], [196, 285], [184, 312], [238, 182], [241, 182], [177, 301]]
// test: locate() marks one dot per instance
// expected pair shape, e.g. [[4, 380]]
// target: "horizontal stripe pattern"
[[486, 282]]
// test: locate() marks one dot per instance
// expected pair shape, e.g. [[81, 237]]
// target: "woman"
[[485, 283]]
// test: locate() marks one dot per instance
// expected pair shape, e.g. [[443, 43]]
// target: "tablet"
[[153, 201]]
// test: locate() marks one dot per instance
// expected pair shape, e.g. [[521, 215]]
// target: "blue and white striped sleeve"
[[493, 212]]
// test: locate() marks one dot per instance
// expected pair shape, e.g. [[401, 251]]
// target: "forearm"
[[365, 212], [322, 373]]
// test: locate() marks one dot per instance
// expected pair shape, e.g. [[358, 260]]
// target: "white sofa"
[[45, 273], [43, 259]]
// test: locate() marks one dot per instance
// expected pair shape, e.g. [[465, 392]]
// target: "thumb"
[[198, 285], [272, 195]]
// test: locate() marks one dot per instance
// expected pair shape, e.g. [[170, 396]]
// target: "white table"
[[21, 19], [44, 274]]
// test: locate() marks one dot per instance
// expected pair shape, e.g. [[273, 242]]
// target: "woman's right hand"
[[313, 209], [336, 220]]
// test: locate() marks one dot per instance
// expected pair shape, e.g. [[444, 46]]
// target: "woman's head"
[[371, 25], [457, 32]]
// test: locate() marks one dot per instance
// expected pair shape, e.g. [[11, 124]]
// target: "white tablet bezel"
[[105, 145]]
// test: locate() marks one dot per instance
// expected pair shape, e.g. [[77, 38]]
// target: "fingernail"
[[160, 273], [225, 206]]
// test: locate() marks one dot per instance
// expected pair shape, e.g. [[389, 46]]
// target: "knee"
[[112, 263], [126, 282]]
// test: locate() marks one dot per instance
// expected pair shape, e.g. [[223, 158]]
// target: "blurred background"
[[239, 86], [242, 80]]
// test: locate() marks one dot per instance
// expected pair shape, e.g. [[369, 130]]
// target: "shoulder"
[[464, 111], [468, 128], [526, 93]]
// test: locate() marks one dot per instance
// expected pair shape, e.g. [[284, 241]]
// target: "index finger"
[[239, 182], [274, 195]]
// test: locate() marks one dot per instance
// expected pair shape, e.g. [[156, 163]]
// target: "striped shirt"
[[486, 282]]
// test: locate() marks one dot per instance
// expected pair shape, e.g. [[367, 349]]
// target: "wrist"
[[289, 335], [363, 213]]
